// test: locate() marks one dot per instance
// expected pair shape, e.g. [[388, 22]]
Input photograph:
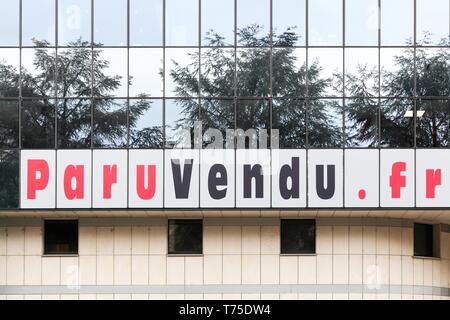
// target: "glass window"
[[361, 122], [424, 240], [253, 22], [74, 123], [9, 179], [289, 118], [61, 237], [325, 123], [146, 67], [432, 22], [180, 115], [9, 23], [397, 72], [397, 22], [298, 236], [253, 72], [9, 124], [252, 116], [110, 22], [38, 22], [185, 236], [361, 72], [289, 22], [146, 123], [217, 72], [325, 22], [146, 22], [74, 22], [397, 123], [288, 72], [9, 72], [181, 72], [361, 22], [74, 69], [38, 72], [110, 73], [182, 22], [217, 22], [325, 72], [110, 123], [433, 72], [432, 123], [38, 124], [217, 114]]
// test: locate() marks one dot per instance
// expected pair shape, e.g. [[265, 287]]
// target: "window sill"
[[426, 258], [185, 255], [69, 255], [298, 254]]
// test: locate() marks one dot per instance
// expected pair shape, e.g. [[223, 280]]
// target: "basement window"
[[426, 240], [61, 237], [298, 236], [185, 236]]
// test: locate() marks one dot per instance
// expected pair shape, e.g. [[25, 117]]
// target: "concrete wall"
[[127, 259]]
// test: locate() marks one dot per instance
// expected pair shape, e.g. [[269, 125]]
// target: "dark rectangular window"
[[61, 237], [185, 236], [298, 236], [426, 240]]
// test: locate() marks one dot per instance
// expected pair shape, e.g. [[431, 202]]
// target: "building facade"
[[233, 149]]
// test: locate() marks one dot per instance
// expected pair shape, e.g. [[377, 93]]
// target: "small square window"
[[61, 237], [185, 236], [426, 240], [298, 236]]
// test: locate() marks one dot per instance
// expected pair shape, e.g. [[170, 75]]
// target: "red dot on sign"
[[362, 194]]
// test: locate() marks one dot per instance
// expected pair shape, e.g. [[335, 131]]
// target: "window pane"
[[397, 123], [74, 123], [252, 118], [325, 72], [9, 179], [110, 22], [110, 72], [146, 22], [325, 121], [9, 72], [9, 23], [298, 236], [61, 237], [289, 72], [9, 124], [361, 72], [253, 72], [433, 72], [423, 240], [217, 22], [74, 22], [182, 22], [397, 72], [253, 22], [74, 72], [397, 22], [289, 117], [180, 115], [38, 72], [216, 114], [217, 77], [146, 127], [146, 66], [289, 22], [181, 74], [433, 22], [38, 124], [110, 123], [38, 22], [361, 122], [185, 237], [432, 123], [361, 22], [325, 22]]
